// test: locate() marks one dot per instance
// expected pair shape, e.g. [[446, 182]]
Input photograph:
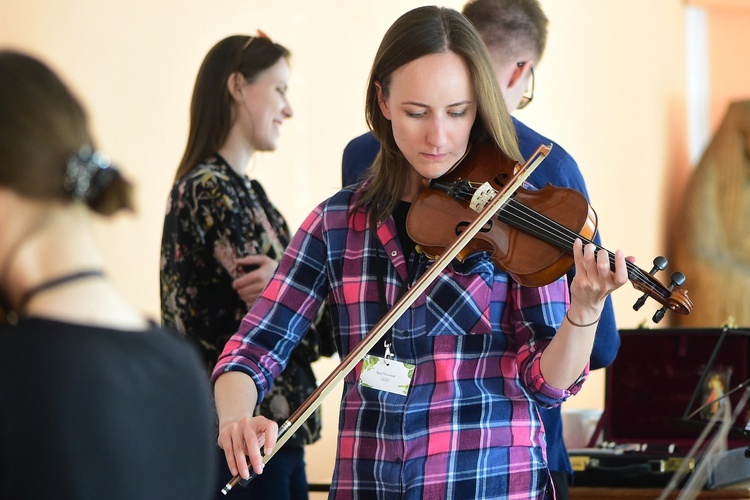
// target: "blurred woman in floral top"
[[223, 238]]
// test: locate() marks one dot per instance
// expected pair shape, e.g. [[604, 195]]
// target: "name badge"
[[386, 374]]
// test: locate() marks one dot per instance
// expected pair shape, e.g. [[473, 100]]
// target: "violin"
[[531, 236]]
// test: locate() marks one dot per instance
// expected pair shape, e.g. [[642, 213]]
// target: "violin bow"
[[315, 399]]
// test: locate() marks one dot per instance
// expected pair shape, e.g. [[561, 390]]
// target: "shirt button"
[[398, 461], [394, 253]]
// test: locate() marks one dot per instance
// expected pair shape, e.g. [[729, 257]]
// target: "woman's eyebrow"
[[416, 103]]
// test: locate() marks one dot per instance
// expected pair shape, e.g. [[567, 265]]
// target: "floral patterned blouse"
[[215, 216]]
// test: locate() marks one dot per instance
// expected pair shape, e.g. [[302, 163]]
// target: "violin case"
[[655, 409]]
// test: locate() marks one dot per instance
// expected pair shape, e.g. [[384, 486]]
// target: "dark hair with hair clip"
[[88, 175], [211, 106], [42, 128]]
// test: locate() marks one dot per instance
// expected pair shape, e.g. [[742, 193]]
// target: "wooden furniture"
[[590, 493]]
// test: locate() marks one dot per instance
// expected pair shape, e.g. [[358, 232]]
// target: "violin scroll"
[[671, 298]]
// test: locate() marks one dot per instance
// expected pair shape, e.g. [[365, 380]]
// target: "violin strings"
[[568, 236], [554, 232]]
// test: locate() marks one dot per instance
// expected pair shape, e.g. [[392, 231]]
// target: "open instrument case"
[[655, 405]]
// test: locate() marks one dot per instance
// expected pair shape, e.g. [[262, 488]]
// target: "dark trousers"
[[560, 480], [283, 478]]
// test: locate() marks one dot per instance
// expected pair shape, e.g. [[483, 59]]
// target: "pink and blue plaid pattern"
[[469, 425]]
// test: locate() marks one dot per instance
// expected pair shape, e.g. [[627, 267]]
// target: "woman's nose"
[[436, 134]]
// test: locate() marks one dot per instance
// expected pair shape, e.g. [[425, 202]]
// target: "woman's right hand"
[[242, 440], [241, 435]]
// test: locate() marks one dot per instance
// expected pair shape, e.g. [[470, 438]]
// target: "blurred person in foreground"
[[95, 400]]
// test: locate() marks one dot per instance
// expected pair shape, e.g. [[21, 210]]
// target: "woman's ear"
[[383, 101], [234, 85]]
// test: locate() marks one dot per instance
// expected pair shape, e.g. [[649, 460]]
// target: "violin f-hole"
[[486, 228]]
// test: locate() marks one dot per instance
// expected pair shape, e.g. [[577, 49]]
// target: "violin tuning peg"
[[659, 315], [678, 279], [660, 264], [641, 300]]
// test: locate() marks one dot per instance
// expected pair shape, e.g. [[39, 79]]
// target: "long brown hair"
[[211, 106], [420, 32], [42, 127]]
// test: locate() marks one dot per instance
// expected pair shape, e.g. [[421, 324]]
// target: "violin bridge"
[[482, 196]]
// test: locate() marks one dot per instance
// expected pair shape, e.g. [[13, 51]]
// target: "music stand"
[[688, 414]]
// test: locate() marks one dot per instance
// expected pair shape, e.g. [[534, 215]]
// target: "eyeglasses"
[[251, 38], [528, 95]]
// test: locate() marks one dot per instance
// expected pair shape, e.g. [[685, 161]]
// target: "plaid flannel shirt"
[[469, 425]]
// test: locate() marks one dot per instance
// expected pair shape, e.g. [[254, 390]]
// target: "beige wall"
[[728, 25], [611, 90]]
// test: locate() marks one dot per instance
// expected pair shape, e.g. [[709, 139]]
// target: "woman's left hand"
[[258, 272], [594, 278]]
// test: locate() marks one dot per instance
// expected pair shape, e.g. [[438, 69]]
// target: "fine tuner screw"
[[660, 264]]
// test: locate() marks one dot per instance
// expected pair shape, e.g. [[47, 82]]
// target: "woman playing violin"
[[448, 408]]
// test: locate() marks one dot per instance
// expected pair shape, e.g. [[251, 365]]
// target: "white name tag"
[[386, 375]]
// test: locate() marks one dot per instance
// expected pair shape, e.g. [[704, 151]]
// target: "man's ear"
[[518, 71], [382, 101], [234, 84]]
